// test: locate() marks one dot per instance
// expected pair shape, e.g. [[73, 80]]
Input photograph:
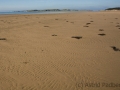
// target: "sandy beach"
[[67, 51]]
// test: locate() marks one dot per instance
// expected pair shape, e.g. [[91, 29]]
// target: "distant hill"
[[50, 10], [116, 8]]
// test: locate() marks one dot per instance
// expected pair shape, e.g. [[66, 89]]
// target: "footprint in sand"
[[72, 22], [86, 26], [115, 48], [102, 34], [25, 62], [77, 37]]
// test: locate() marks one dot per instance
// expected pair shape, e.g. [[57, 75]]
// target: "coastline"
[[23, 13]]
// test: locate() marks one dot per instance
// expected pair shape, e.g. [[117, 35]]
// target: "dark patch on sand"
[[25, 62], [2, 21], [86, 26], [3, 39], [91, 21], [102, 34], [46, 26], [115, 48], [88, 23], [118, 26], [77, 37], [54, 35], [101, 29]]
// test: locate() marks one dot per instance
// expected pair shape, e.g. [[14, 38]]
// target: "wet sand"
[[70, 51]]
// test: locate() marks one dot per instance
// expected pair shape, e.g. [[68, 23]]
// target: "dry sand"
[[60, 51]]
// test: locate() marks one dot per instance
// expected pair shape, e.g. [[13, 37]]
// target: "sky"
[[15, 5]]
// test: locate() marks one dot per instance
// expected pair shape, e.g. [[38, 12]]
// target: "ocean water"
[[48, 12]]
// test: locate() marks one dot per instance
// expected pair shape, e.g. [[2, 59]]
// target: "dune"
[[67, 51]]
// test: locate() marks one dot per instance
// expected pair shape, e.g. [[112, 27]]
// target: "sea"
[[48, 12]]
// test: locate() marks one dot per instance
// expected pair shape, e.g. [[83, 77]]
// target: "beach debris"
[[115, 48], [54, 35], [77, 37], [3, 39], [102, 34]]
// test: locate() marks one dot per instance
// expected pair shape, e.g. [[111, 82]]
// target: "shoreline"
[[23, 13], [47, 12]]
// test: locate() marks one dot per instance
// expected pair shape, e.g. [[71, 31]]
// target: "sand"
[[69, 51]]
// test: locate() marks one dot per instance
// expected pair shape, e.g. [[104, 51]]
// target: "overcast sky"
[[12, 5]]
